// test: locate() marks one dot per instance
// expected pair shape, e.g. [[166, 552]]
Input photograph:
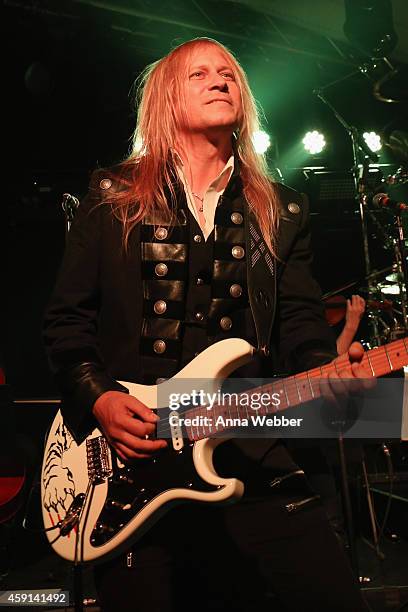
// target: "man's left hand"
[[349, 375]]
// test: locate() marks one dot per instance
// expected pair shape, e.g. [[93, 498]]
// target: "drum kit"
[[385, 290], [386, 308]]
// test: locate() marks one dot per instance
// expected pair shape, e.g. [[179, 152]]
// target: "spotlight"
[[261, 140], [373, 141], [314, 142]]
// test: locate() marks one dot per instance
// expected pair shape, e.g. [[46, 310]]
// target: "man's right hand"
[[127, 423]]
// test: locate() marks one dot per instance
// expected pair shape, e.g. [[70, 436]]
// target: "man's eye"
[[197, 73], [228, 75]]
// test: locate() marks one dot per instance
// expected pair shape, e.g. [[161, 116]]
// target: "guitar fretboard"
[[293, 390]]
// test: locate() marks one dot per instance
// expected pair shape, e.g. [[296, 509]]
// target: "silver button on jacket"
[[238, 252], [160, 307], [226, 323], [159, 346]]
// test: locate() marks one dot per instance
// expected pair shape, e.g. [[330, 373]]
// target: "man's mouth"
[[219, 100]]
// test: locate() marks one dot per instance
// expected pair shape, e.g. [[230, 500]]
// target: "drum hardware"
[[362, 156], [395, 281], [378, 273], [376, 316], [389, 288], [374, 274], [399, 178], [398, 145], [394, 277], [383, 306]]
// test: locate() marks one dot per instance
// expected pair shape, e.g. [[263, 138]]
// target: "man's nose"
[[217, 82]]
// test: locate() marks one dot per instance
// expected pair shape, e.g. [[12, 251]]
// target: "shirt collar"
[[219, 183]]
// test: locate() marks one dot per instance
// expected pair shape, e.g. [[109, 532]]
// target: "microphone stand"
[[362, 156], [69, 205]]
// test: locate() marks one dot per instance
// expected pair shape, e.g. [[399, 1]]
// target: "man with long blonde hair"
[[186, 243]]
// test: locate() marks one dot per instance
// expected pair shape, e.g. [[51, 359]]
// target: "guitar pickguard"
[[58, 482], [131, 488]]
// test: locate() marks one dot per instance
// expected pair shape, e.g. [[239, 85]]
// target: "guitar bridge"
[[98, 458]]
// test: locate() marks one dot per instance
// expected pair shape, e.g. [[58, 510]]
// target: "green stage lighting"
[[373, 141], [314, 142], [261, 140]]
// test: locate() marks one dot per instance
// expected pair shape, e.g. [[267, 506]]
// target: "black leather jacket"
[[92, 324]]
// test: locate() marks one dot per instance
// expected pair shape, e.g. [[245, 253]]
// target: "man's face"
[[213, 98]]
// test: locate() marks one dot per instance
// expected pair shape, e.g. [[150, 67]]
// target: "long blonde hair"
[[148, 174]]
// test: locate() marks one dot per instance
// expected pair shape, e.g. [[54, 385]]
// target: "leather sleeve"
[[305, 339], [71, 319]]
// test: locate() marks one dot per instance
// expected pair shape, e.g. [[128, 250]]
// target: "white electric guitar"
[[94, 506]]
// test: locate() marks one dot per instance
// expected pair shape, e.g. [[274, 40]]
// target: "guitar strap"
[[261, 279]]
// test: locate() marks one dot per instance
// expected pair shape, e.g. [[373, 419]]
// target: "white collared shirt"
[[211, 196]]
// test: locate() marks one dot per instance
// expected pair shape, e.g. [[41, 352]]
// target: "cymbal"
[[389, 288], [394, 277]]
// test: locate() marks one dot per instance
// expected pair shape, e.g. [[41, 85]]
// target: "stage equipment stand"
[[402, 266], [362, 156]]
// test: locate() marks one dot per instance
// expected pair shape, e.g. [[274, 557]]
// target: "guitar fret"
[[314, 376], [376, 360], [397, 355], [277, 388], [366, 355], [384, 360], [388, 357], [229, 411], [310, 384], [286, 394], [291, 392], [300, 388], [304, 387], [297, 389], [246, 412], [272, 408]]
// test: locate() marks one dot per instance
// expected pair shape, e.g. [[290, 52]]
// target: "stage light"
[[314, 142], [373, 141], [261, 141]]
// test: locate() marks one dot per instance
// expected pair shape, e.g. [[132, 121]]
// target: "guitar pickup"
[[175, 430]]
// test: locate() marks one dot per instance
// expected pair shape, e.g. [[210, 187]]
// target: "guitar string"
[[381, 359]]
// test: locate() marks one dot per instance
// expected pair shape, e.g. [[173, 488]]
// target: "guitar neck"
[[291, 391]]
